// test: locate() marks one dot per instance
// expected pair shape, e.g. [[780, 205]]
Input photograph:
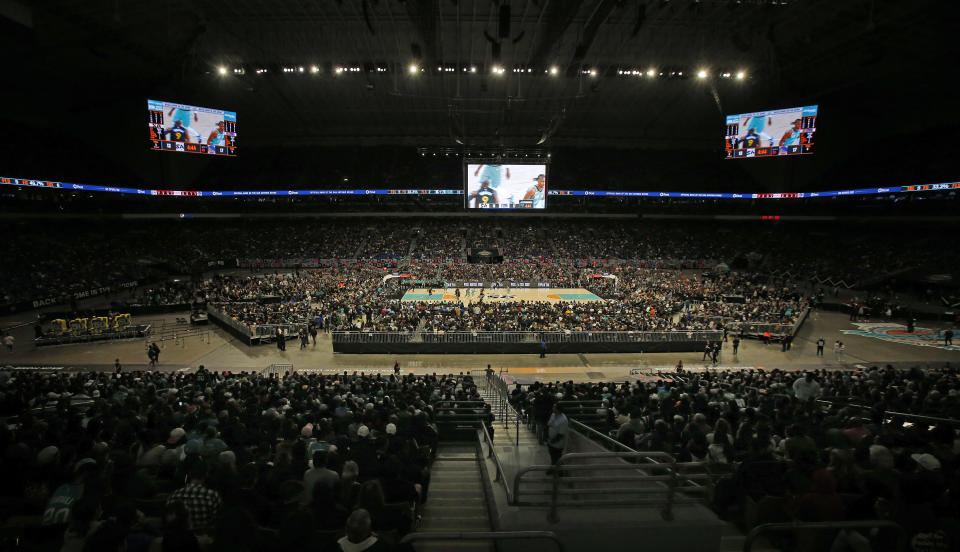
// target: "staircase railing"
[[501, 475], [498, 386], [667, 481], [483, 535], [690, 479]]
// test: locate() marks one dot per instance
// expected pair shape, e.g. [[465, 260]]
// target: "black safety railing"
[[528, 337], [797, 527], [483, 536]]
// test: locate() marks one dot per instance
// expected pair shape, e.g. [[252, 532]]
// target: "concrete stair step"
[[455, 523], [466, 546]]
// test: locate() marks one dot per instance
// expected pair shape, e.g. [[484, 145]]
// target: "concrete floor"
[[218, 351]]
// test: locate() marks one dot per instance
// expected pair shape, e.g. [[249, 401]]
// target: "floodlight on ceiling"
[[314, 69], [222, 70], [651, 72], [741, 75], [701, 74], [413, 68], [554, 70]]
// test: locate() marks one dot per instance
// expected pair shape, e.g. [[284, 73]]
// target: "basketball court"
[[502, 295]]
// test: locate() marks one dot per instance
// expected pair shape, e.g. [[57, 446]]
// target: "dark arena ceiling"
[[81, 69]]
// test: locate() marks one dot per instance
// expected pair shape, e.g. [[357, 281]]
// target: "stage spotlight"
[[741, 75], [413, 68], [701, 74], [222, 70], [554, 70]]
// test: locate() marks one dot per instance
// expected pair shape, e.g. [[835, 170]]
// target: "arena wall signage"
[[56, 300], [53, 185]]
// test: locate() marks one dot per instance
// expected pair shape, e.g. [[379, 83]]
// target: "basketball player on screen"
[[177, 132], [492, 173], [484, 196], [792, 136], [535, 193], [184, 116], [751, 140], [216, 137], [757, 125]]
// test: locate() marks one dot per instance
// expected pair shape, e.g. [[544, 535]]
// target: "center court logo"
[[897, 333]]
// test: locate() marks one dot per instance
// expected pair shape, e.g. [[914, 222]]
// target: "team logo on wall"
[[897, 333]]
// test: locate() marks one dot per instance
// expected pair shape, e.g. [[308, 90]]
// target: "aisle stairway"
[[456, 500], [538, 485]]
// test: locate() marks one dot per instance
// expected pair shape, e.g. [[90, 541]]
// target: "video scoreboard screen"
[[192, 129], [502, 186], [771, 133]]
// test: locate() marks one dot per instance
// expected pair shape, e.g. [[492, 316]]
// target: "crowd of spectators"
[[63, 261], [226, 461], [786, 445], [633, 299]]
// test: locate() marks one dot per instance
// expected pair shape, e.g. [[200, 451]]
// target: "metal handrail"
[[677, 466], [605, 438], [891, 414], [499, 385], [584, 455], [501, 475], [483, 535], [814, 526], [667, 508]]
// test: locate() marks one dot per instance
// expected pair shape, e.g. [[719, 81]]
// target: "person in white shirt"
[[806, 388], [557, 428]]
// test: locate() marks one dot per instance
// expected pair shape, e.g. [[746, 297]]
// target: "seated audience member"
[[360, 536], [202, 503]]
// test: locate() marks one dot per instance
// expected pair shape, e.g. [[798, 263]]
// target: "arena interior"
[[450, 275]]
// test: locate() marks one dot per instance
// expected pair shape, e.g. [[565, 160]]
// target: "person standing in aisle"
[[820, 343], [557, 428]]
